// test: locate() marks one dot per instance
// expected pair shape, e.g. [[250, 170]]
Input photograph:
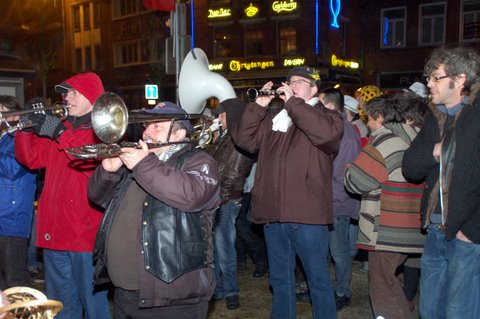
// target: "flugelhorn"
[[253, 93], [110, 118], [11, 121]]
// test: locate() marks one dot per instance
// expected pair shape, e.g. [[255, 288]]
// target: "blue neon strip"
[[385, 33], [317, 35], [192, 22]]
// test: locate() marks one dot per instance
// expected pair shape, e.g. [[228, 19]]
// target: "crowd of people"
[[298, 179]]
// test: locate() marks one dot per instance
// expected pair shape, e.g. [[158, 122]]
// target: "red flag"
[[160, 5]]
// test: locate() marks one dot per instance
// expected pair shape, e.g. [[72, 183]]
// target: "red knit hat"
[[88, 84]]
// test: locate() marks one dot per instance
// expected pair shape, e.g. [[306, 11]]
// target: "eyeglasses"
[[295, 82], [435, 78]]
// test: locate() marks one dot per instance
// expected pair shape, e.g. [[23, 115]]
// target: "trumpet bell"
[[109, 117], [197, 83]]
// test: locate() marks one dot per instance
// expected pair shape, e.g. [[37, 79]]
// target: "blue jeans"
[[225, 253], [310, 243], [68, 278], [450, 279], [340, 249]]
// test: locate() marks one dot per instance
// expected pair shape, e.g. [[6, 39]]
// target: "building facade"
[[350, 42]]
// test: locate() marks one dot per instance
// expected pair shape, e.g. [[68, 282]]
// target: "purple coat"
[[345, 203]]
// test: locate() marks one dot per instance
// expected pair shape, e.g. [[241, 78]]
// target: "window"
[[288, 40], [76, 18], [393, 22], [125, 8], [253, 40], [470, 31], [86, 17], [139, 51], [432, 23], [222, 43], [86, 35]]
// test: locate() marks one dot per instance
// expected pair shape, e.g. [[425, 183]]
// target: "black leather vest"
[[175, 242]]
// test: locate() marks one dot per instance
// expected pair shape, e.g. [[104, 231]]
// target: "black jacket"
[[464, 187], [176, 250], [233, 162]]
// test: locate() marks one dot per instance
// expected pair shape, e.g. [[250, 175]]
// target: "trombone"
[[9, 125], [110, 119]]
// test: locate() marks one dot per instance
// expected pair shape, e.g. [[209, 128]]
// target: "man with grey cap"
[[155, 241], [293, 194], [66, 221]]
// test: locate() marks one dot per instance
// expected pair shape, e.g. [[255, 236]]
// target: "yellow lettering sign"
[[215, 67], [237, 66], [219, 13], [343, 63], [279, 6], [293, 62]]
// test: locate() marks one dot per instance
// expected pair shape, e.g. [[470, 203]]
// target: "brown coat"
[[293, 182]]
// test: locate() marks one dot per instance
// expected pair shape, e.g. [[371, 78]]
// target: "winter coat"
[[167, 245], [464, 187], [17, 192], [293, 181], [345, 203], [66, 220], [390, 206]]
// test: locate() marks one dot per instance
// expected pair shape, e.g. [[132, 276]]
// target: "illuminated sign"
[[293, 62], [335, 12], [343, 63], [215, 67], [251, 11], [279, 6], [219, 13], [237, 66]]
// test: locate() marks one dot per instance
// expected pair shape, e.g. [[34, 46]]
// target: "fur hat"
[[368, 92]]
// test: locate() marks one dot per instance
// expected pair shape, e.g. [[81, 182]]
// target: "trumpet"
[[11, 121], [110, 119], [253, 93]]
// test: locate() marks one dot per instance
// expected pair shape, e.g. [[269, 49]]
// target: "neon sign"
[[344, 63], [251, 11], [237, 66], [279, 6], [294, 62], [335, 12], [219, 13], [215, 67]]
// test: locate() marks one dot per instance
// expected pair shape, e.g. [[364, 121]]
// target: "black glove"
[[44, 124]]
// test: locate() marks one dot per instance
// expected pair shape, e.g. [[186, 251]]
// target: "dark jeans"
[[125, 306], [250, 236], [13, 262]]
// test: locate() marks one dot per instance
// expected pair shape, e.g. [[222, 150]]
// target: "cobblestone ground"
[[255, 299]]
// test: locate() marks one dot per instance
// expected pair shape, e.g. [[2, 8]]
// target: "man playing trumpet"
[[155, 242], [66, 222]]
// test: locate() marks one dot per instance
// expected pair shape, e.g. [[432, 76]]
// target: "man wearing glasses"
[[292, 193], [446, 156]]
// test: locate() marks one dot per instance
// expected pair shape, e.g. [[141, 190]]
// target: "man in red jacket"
[[66, 223]]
